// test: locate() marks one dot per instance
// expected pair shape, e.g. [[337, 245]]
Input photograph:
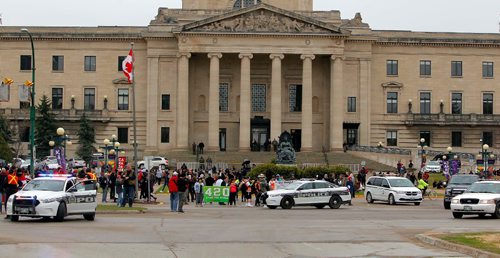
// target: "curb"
[[455, 247], [121, 212]]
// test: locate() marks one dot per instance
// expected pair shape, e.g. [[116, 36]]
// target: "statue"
[[285, 153]]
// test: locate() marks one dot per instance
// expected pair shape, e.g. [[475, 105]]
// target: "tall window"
[[25, 62], [57, 98], [425, 68], [223, 97], [238, 4], [392, 67], [488, 103], [427, 137], [456, 103], [259, 98], [392, 102], [165, 102], [392, 138], [123, 134], [122, 99], [165, 135], [90, 64], [488, 138], [351, 104], [456, 68], [352, 136], [295, 92], [120, 61], [456, 139], [425, 102], [487, 69], [57, 63], [89, 99]]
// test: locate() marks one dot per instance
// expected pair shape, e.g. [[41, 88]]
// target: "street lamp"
[[60, 140], [423, 147], [32, 108], [485, 156], [106, 144]]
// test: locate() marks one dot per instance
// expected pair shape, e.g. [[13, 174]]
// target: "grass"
[[436, 178], [103, 207], [158, 191], [489, 242]]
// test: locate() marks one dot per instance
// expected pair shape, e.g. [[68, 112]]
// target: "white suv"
[[156, 161], [392, 190], [316, 193]]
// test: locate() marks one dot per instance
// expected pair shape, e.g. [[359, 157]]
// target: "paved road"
[[361, 230]]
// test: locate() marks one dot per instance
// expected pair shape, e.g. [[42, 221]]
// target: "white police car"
[[316, 193], [482, 197], [54, 196]]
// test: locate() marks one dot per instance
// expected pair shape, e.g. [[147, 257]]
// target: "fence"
[[351, 167], [380, 150], [196, 165]]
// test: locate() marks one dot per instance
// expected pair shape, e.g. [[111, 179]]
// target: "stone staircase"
[[236, 158]]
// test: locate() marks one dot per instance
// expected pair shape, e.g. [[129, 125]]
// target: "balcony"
[[451, 119], [60, 115]]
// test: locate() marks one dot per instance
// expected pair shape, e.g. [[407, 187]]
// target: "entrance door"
[[222, 139], [296, 139], [259, 138]]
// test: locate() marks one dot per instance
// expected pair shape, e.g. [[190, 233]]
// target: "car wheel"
[[447, 205], [369, 198], [14, 218], [457, 215], [61, 212], [496, 215], [417, 204], [272, 207], [287, 202], [392, 201], [335, 202], [89, 216], [320, 206]]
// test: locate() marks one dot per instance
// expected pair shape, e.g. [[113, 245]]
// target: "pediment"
[[392, 84], [263, 19]]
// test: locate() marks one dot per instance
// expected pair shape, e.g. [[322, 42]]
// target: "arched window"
[[238, 4]]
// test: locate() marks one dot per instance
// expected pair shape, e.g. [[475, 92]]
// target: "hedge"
[[288, 171]]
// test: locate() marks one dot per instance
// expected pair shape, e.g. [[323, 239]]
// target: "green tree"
[[4, 129], [86, 138], [5, 151], [45, 128]]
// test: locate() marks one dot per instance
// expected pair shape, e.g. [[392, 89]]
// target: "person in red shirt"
[[174, 193]]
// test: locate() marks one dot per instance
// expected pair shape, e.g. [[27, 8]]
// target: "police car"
[[54, 196], [316, 193], [482, 198]]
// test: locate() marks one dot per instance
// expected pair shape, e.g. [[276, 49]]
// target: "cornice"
[[438, 42], [260, 35], [51, 36]]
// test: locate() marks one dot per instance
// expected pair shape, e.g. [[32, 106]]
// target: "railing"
[[196, 165], [444, 119], [380, 150], [61, 114]]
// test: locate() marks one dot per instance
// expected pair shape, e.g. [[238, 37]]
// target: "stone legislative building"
[[234, 74]]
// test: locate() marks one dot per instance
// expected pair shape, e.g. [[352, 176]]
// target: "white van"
[[392, 190]]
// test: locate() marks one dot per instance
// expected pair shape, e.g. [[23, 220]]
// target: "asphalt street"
[[361, 230]]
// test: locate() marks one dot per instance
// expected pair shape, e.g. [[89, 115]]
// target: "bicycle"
[[430, 193]]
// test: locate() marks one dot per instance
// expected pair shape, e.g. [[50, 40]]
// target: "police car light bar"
[[54, 175]]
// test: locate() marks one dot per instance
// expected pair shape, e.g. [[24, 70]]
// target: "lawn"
[[103, 207], [489, 242]]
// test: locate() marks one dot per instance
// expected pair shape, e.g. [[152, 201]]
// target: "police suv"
[[316, 193], [481, 198], [54, 196]]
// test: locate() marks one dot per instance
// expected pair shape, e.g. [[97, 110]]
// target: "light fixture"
[[60, 131], [117, 145], [106, 142], [486, 147], [52, 143], [449, 149], [422, 140]]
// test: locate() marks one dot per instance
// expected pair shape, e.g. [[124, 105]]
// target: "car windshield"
[[484, 188], [44, 185], [433, 163], [293, 185], [400, 182], [463, 180]]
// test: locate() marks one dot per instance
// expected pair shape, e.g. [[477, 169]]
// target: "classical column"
[[364, 101], [182, 101], [213, 102], [245, 102], [336, 102], [152, 106], [307, 102], [276, 96]]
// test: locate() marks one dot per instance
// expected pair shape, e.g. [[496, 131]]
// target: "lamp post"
[[32, 109], [106, 145], [485, 156], [60, 140], [422, 147], [116, 148]]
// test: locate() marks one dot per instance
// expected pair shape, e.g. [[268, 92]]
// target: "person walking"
[[119, 189], [129, 187], [104, 183], [13, 183], [181, 188], [198, 189], [233, 192], [112, 184], [174, 193]]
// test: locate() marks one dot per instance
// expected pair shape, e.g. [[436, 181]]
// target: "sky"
[[481, 16]]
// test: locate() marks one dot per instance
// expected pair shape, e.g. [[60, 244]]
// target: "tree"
[[45, 127], [86, 138], [5, 152], [4, 129]]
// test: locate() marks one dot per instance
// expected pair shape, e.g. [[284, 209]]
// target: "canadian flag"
[[128, 66]]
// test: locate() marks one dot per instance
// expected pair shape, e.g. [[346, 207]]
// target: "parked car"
[[392, 190], [457, 185], [433, 166], [482, 198], [76, 163], [156, 161], [51, 164]]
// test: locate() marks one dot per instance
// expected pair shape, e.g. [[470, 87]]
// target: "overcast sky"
[[416, 15]]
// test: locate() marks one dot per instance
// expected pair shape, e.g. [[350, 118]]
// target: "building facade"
[[234, 74]]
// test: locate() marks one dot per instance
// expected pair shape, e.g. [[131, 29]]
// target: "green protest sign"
[[216, 193]]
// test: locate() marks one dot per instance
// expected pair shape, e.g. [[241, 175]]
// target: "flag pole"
[[134, 120]]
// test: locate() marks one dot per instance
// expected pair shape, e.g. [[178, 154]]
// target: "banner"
[[4, 92], [216, 194], [121, 162], [24, 93], [61, 159]]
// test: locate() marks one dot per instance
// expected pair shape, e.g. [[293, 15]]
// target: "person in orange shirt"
[[13, 183]]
